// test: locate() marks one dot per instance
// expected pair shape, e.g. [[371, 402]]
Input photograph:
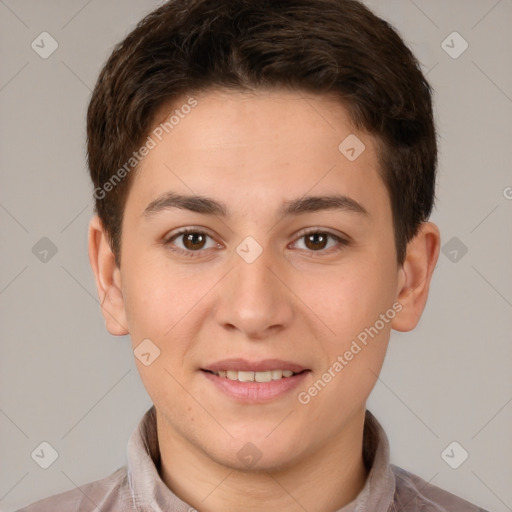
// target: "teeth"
[[277, 374], [263, 376], [246, 376], [254, 376]]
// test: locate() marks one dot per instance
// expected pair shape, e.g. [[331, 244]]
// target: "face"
[[268, 283]]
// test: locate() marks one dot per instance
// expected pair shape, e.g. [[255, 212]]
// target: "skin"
[[298, 302]]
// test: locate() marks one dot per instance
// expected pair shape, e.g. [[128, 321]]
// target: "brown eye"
[[194, 241], [321, 242], [190, 242], [316, 241]]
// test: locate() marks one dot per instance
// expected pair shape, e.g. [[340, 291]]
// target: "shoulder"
[[108, 494], [415, 494]]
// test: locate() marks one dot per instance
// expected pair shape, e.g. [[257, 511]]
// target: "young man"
[[263, 174]]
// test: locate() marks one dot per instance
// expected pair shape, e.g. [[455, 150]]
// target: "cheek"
[[351, 299], [153, 298], [168, 306], [353, 306]]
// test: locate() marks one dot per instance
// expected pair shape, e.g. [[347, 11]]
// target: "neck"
[[327, 479]]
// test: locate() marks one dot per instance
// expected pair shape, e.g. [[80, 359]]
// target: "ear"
[[108, 279], [415, 276]]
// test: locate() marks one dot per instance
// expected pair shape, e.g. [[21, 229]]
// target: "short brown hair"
[[322, 46]]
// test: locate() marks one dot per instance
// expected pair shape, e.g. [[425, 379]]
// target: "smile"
[[245, 376], [253, 382]]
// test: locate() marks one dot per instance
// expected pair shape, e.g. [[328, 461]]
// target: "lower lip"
[[256, 392]]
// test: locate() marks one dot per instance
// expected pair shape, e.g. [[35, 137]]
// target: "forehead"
[[285, 121], [258, 148]]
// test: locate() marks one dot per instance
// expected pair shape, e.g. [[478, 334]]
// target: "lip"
[[255, 392], [254, 366]]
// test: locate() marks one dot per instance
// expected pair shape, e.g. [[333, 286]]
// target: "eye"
[[192, 241], [317, 241]]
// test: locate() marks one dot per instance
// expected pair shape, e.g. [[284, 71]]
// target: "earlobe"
[[415, 276], [108, 279]]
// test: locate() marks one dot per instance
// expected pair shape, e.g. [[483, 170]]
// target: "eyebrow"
[[209, 206]]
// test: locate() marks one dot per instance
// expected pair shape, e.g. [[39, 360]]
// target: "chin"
[[258, 452]]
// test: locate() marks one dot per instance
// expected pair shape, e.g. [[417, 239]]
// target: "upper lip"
[[263, 365]]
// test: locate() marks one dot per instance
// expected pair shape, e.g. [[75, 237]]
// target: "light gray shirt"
[[138, 486]]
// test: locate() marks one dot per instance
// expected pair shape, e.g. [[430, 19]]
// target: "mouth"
[[255, 381], [248, 376]]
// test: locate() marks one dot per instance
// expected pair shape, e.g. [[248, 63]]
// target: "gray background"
[[65, 380]]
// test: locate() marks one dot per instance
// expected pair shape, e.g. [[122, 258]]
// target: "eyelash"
[[342, 243]]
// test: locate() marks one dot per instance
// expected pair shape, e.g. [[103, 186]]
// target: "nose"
[[254, 299]]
